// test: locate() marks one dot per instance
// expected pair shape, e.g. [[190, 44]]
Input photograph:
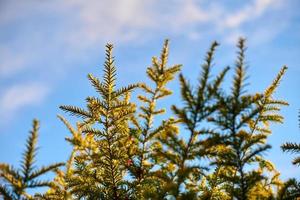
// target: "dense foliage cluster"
[[211, 148]]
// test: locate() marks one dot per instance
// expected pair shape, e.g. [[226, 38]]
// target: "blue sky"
[[48, 47]]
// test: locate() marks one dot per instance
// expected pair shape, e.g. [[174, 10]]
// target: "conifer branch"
[[17, 181], [76, 111], [44, 170], [198, 106], [67, 124], [291, 147], [239, 111], [30, 152], [160, 74], [239, 78], [121, 152]]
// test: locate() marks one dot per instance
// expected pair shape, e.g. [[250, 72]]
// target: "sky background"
[[48, 47]]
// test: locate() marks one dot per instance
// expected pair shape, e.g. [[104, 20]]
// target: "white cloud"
[[255, 21], [248, 13], [233, 36], [54, 29], [17, 97], [102, 21], [187, 13], [71, 27], [11, 62], [124, 21], [47, 31]]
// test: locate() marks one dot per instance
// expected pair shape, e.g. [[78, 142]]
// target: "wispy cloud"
[[17, 97], [11, 61], [248, 13], [74, 26], [99, 21], [260, 16], [37, 33]]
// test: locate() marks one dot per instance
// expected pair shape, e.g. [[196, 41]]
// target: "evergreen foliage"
[[144, 132], [291, 188], [15, 182], [243, 123], [211, 147], [100, 161], [293, 148], [180, 170]]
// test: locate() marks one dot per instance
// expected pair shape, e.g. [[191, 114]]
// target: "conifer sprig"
[[101, 156], [290, 190], [213, 149], [15, 182], [243, 121], [198, 105], [240, 70], [160, 74], [292, 148]]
